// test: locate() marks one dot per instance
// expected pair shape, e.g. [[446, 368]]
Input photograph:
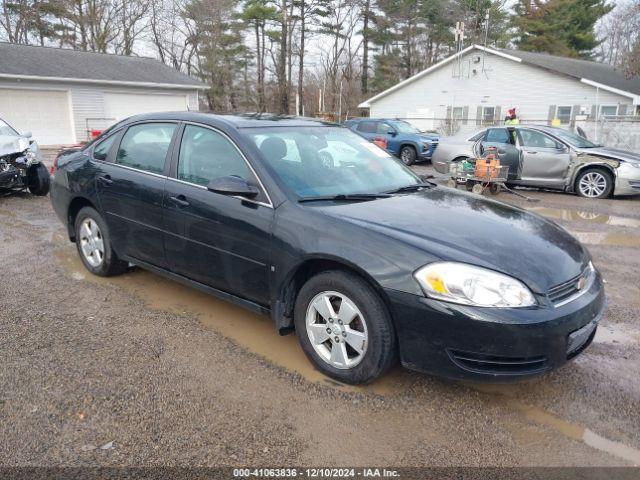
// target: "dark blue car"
[[403, 139]]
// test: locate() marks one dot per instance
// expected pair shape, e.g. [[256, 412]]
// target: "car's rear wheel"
[[38, 180], [344, 327], [594, 183], [408, 155], [94, 244]]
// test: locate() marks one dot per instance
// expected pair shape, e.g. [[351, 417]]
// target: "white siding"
[[505, 84], [87, 101]]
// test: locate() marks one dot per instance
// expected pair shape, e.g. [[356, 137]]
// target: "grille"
[[565, 292], [491, 364]]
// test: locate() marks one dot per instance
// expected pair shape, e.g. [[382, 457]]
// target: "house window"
[[608, 110], [488, 114], [457, 113], [564, 115]]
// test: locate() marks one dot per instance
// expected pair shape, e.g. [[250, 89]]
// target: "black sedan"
[[331, 236]]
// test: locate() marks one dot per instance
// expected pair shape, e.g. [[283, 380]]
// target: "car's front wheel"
[[408, 155], [594, 183], [344, 328], [94, 244]]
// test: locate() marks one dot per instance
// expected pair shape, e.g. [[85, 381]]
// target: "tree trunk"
[[283, 107], [365, 48], [301, 66]]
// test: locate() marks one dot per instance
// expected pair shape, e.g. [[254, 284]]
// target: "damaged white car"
[[21, 164], [549, 157]]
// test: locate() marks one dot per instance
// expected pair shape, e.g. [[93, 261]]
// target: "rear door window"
[[367, 127], [497, 135], [144, 147], [101, 151]]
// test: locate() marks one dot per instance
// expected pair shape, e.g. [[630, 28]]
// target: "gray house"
[[478, 86], [60, 95]]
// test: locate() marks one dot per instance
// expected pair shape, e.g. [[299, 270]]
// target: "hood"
[[428, 136], [13, 144], [615, 153], [462, 227]]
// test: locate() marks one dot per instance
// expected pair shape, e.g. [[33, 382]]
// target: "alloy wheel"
[[91, 242], [336, 329], [593, 184], [406, 155]]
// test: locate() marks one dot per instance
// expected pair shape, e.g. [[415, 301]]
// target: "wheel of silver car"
[[594, 183], [336, 329], [91, 242]]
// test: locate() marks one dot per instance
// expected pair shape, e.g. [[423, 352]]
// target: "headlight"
[[469, 285], [426, 145]]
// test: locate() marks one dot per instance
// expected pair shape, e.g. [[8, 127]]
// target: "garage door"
[[118, 106], [45, 113]]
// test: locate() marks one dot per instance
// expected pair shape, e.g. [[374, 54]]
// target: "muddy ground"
[[139, 370]]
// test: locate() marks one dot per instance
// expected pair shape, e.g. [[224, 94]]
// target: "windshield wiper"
[[351, 197], [411, 188]]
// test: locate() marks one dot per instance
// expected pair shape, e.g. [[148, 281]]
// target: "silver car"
[[549, 157]]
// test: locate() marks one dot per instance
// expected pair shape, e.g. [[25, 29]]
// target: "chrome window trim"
[[126, 167], [217, 130]]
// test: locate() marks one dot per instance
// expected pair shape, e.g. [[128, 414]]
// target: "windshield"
[[318, 161], [5, 129], [404, 127], [573, 139]]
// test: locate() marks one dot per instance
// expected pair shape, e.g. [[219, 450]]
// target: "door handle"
[[533, 153], [105, 179], [180, 200]]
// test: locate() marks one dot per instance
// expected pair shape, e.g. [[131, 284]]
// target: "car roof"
[[243, 120], [369, 119]]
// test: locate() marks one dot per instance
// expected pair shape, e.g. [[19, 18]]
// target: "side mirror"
[[232, 185], [27, 135]]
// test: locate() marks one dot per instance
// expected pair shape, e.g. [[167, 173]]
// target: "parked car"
[[21, 164], [403, 139], [549, 157], [333, 237]]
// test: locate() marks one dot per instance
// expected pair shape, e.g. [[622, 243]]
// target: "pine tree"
[[559, 27]]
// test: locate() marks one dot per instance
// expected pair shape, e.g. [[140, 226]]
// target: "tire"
[[408, 155], [494, 188], [38, 180], [370, 320], [594, 183], [107, 264]]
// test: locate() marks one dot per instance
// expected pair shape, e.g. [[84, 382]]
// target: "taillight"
[[54, 167]]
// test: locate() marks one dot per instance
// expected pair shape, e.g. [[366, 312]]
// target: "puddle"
[[611, 239], [584, 216], [254, 332], [501, 393]]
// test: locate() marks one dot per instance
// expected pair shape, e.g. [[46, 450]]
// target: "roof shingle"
[[75, 64], [594, 71]]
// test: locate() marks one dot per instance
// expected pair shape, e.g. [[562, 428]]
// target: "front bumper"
[[427, 153], [627, 180], [492, 344]]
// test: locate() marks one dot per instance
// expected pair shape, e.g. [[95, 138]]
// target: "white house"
[[60, 95], [478, 86]]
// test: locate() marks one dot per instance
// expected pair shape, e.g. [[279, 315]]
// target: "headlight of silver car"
[[471, 285]]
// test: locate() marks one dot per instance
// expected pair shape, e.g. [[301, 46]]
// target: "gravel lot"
[[138, 370]]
